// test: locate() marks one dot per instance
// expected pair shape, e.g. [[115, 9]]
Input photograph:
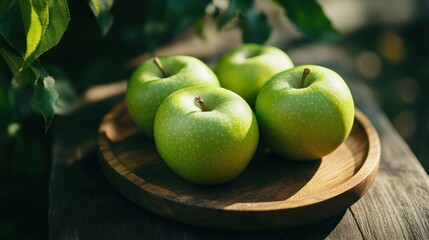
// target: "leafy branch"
[[29, 28], [32, 27]]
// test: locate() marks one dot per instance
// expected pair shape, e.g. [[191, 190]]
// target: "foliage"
[[31, 27], [101, 10], [309, 17]]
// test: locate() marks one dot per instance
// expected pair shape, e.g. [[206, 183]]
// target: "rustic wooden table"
[[84, 205]]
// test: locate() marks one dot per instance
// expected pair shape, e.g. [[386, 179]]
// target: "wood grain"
[[397, 205], [271, 193]]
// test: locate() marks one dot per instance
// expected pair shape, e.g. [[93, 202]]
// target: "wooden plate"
[[270, 194]]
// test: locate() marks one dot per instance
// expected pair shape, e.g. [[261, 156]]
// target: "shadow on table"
[[85, 205]]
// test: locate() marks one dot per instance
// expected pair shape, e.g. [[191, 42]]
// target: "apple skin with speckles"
[[206, 146], [308, 121], [148, 87], [245, 69]]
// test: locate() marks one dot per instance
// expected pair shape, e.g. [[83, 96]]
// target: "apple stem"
[[159, 65], [200, 100], [304, 75]]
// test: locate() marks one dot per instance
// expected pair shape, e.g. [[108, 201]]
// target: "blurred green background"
[[387, 42]]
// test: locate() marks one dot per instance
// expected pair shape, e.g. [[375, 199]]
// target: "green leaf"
[[32, 25], [36, 79], [166, 19], [68, 97], [254, 26], [101, 10], [42, 9], [22, 76], [95, 7], [180, 15], [253, 23], [309, 17], [13, 61], [45, 98], [234, 8], [55, 26], [105, 22]]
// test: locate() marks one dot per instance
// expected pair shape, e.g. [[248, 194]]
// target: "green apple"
[[246, 68], [155, 79], [305, 113], [207, 135]]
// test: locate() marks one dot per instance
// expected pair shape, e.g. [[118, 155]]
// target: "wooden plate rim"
[[368, 168]]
